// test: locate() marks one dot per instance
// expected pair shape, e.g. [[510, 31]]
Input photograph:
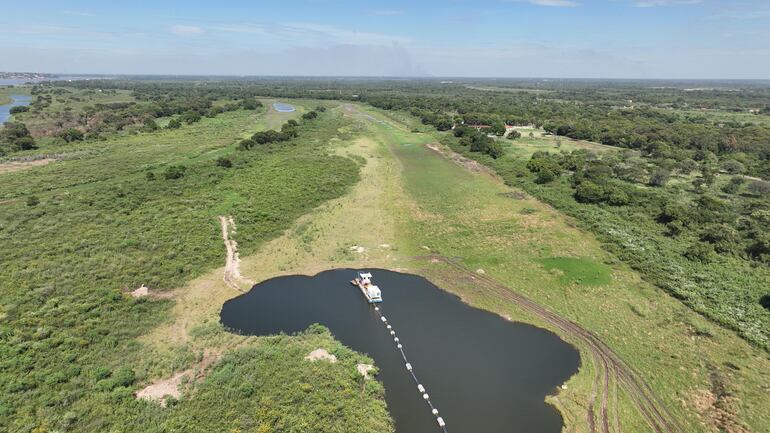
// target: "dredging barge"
[[371, 293]]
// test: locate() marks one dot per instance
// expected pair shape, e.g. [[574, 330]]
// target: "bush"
[[310, 115], [174, 123], [660, 177], [589, 192], [251, 104], [174, 172], [513, 135], [71, 134], [19, 109], [759, 187], [224, 162], [700, 252], [32, 201], [732, 166]]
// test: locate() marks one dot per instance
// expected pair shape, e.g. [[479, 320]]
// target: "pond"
[[283, 108], [18, 100], [483, 373]]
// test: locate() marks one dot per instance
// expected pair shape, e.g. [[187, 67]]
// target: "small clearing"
[[364, 369], [160, 390], [9, 167], [232, 274], [321, 354]]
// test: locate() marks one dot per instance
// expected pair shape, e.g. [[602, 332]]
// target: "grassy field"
[[78, 232], [105, 226], [686, 360], [536, 140]]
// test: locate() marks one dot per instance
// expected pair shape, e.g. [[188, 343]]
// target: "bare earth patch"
[[462, 161], [321, 354], [364, 369], [160, 390], [232, 275], [9, 167]]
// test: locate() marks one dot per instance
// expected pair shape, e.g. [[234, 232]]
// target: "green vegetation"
[[144, 169], [137, 209], [271, 388], [579, 271]]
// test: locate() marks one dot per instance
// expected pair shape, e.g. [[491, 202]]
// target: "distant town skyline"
[[676, 39]]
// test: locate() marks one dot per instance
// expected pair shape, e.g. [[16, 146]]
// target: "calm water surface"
[[5, 110], [283, 108], [483, 373]]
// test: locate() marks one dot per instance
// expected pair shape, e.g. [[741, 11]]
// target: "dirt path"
[[232, 274], [610, 365]]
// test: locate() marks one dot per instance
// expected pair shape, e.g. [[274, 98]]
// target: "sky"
[[698, 39]]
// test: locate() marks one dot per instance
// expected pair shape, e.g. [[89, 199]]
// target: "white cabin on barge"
[[371, 292]]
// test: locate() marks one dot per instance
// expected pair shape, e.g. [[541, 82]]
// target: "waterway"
[[483, 373]]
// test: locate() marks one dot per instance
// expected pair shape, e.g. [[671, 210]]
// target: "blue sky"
[[485, 38]]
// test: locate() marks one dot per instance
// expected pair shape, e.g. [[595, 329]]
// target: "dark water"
[[483, 373], [283, 108], [5, 110]]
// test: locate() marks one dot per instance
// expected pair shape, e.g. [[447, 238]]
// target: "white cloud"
[[186, 30], [654, 3]]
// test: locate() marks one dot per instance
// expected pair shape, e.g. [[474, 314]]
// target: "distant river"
[[283, 108], [18, 100], [483, 373]]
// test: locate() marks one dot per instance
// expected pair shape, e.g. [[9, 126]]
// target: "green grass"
[[102, 226], [677, 351], [579, 271], [266, 387]]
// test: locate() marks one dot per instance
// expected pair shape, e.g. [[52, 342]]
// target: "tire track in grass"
[[652, 409]]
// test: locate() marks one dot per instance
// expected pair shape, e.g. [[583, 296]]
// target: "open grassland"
[[536, 140], [77, 232], [708, 377]]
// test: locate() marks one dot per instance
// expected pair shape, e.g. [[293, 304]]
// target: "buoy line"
[[410, 369]]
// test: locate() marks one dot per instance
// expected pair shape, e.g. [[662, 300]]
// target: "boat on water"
[[371, 292]]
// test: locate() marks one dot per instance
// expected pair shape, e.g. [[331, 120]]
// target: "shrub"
[[224, 162], [174, 123], [32, 201], [699, 252], [174, 172], [310, 115], [19, 109], [733, 167], [589, 192], [660, 177]]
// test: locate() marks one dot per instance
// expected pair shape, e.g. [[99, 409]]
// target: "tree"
[[310, 115], [732, 166], [734, 185], [251, 104], [174, 123], [513, 135], [616, 196], [660, 177], [589, 192], [19, 109], [759, 187], [71, 134]]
